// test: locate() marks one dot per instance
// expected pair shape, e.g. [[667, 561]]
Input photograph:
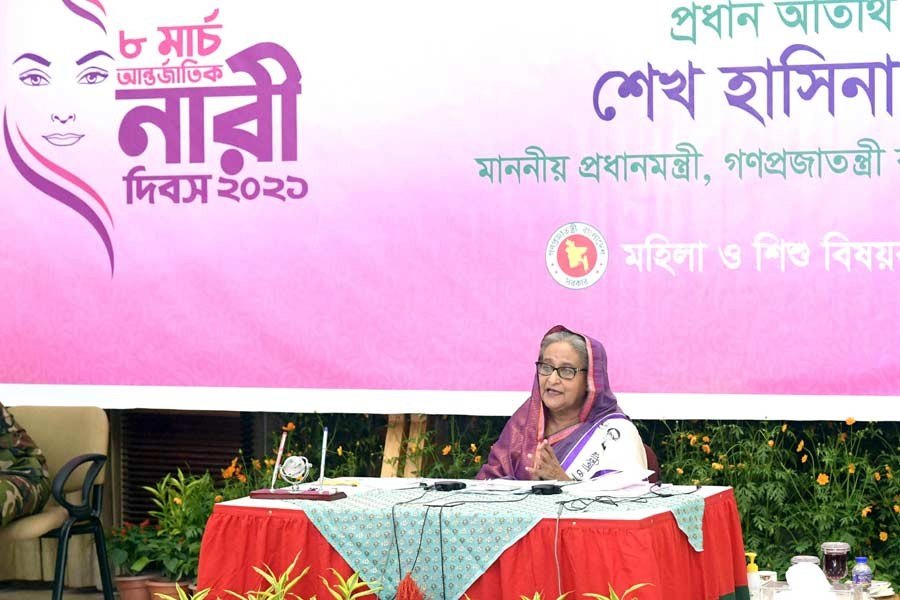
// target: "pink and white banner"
[[276, 205]]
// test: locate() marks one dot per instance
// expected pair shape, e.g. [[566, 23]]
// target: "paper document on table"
[[616, 480], [500, 486]]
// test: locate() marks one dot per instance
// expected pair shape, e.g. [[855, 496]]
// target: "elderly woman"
[[24, 482], [571, 427]]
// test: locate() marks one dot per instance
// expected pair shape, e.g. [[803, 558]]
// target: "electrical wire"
[[556, 553], [397, 540]]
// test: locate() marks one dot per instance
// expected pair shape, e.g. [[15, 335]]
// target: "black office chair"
[[77, 438]]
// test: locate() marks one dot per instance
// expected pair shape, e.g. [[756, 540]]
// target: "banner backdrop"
[[397, 200]]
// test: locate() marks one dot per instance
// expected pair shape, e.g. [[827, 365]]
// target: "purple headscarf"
[[525, 428]]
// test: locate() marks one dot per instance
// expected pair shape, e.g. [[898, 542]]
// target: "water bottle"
[[862, 578]]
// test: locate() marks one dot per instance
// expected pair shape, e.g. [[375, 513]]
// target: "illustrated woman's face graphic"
[[60, 69]]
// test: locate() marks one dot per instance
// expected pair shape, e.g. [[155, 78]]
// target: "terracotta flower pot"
[[164, 586], [133, 587]]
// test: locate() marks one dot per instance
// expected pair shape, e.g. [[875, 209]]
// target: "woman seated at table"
[[571, 427]]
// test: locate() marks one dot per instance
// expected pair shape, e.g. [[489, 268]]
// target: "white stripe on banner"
[[636, 405]]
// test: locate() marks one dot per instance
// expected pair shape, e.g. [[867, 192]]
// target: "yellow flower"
[[897, 508], [822, 479], [800, 446], [218, 498], [771, 443], [270, 462], [477, 460], [706, 448], [693, 439], [851, 468], [877, 476], [680, 471], [228, 472], [177, 500], [883, 536], [446, 450], [865, 512], [696, 482], [256, 464], [289, 427], [473, 448], [850, 421], [340, 450], [803, 458], [706, 438], [843, 437], [717, 466], [783, 427], [242, 478]]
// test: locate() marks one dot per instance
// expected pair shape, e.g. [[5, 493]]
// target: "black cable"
[[456, 503], [440, 508], [556, 553], [657, 486], [421, 537], [396, 539], [441, 541], [582, 504]]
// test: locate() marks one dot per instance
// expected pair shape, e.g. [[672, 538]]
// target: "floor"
[[33, 591]]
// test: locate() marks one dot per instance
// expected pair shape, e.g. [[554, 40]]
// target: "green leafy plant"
[[183, 505], [183, 595], [279, 585], [130, 547], [614, 596], [456, 448], [351, 588], [797, 485]]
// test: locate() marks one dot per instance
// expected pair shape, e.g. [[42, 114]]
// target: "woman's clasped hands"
[[545, 465]]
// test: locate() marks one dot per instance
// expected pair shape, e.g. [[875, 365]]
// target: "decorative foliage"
[[183, 595], [351, 588], [279, 585], [131, 547], [797, 484], [183, 505], [614, 596]]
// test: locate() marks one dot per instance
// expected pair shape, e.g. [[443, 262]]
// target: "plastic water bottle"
[[862, 578]]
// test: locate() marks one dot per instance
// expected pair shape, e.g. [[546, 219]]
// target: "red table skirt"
[[593, 554]]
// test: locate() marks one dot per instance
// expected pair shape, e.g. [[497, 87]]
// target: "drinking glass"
[[834, 558]]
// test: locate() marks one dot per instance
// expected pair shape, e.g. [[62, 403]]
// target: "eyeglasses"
[[546, 370]]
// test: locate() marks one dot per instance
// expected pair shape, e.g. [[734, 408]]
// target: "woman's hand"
[[546, 465]]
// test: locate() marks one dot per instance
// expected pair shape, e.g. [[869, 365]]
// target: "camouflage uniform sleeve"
[[24, 479]]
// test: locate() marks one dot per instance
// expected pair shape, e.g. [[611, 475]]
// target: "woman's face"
[[59, 76], [559, 395]]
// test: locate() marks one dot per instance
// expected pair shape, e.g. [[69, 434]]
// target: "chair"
[[74, 440], [652, 464]]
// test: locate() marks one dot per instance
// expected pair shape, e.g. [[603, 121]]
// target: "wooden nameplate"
[[288, 494]]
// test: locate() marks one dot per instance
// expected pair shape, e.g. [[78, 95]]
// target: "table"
[[595, 551]]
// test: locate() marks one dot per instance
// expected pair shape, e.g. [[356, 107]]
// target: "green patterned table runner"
[[448, 539]]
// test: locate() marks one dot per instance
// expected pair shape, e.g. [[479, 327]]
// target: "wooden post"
[[393, 444], [415, 442]]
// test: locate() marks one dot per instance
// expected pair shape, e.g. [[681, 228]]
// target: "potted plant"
[[183, 504], [130, 548]]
